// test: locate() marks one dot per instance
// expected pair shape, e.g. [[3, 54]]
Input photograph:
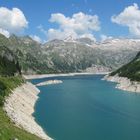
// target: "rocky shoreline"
[[124, 83], [49, 82], [35, 76], [19, 107]]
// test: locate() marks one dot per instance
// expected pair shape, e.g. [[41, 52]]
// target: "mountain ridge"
[[62, 56]]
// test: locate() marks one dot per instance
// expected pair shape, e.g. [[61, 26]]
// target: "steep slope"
[[69, 55], [130, 70], [9, 65], [9, 79], [76, 56], [28, 52]]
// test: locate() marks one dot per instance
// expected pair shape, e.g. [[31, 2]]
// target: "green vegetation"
[[10, 78], [7, 84], [9, 66], [59, 56], [130, 70], [8, 130]]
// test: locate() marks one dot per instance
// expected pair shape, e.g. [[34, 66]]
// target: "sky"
[[49, 19]]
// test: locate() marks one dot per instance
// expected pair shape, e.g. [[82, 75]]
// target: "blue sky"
[[38, 12]]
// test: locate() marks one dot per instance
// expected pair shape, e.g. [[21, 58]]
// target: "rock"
[[49, 82], [124, 83], [20, 107]]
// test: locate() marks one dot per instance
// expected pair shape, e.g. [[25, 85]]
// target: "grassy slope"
[[130, 70], [8, 131]]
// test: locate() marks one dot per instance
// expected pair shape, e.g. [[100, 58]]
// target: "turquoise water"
[[87, 108]]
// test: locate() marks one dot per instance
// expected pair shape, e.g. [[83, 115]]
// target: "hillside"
[[9, 65], [69, 55], [76, 56], [10, 72], [10, 78], [130, 70], [28, 52]]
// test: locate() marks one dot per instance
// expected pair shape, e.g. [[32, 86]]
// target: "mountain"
[[70, 55], [130, 70], [85, 41], [9, 66], [10, 78], [119, 44], [73, 56], [28, 52]]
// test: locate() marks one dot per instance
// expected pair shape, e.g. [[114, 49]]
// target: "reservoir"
[[87, 108]]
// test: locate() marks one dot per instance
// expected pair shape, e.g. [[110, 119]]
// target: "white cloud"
[[12, 21], [5, 33], [36, 38], [129, 17], [105, 37], [79, 24]]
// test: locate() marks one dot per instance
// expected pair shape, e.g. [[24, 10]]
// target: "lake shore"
[[124, 83], [49, 82], [19, 107], [37, 76]]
